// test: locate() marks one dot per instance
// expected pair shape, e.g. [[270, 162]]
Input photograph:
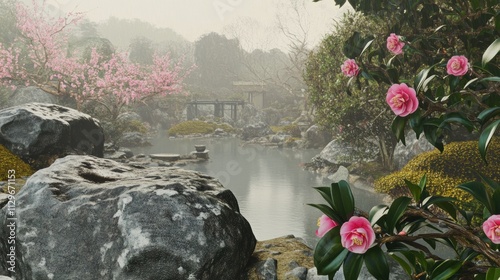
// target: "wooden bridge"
[[220, 108]]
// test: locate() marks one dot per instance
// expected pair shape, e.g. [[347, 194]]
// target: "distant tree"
[[218, 60], [122, 32], [141, 50], [8, 28]]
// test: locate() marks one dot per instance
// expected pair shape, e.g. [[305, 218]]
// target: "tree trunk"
[[387, 154]]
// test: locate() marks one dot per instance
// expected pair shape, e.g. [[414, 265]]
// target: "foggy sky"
[[193, 18]]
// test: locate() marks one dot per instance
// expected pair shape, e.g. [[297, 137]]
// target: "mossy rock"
[[291, 129], [9, 161], [197, 127], [458, 163]]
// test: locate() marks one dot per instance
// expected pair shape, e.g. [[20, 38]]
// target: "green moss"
[[134, 126], [291, 129], [459, 163], [9, 161], [197, 127]]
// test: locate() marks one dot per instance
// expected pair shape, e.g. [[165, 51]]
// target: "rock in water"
[[91, 218], [39, 133]]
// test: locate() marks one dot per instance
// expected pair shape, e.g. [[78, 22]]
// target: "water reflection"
[[271, 187]]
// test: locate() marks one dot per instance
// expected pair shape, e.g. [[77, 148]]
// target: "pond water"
[[269, 183]]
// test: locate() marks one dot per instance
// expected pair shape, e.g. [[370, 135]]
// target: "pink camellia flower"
[[357, 235], [350, 68], [325, 224], [394, 44], [402, 99], [458, 65], [491, 228]]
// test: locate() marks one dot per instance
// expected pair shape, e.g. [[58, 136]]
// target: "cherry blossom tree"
[[40, 57]]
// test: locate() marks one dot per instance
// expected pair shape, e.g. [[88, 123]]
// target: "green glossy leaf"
[[449, 208], [415, 225], [470, 82], [491, 79], [480, 277], [488, 182], [422, 184], [376, 213], [467, 215], [396, 210], [415, 190], [432, 135], [376, 263], [431, 242], [326, 194], [420, 78], [398, 128], [486, 213], [485, 138], [396, 247], [493, 273], [329, 253], [453, 81], [407, 267], [343, 199], [352, 266], [328, 211], [423, 86], [487, 114], [427, 202], [456, 117], [446, 269], [491, 52], [478, 191], [416, 123], [439, 28], [356, 44], [366, 46], [495, 202], [468, 254]]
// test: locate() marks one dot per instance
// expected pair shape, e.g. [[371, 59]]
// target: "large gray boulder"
[[24, 95], [403, 154], [39, 133], [255, 130], [315, 137], [91, 218], [338, 152]]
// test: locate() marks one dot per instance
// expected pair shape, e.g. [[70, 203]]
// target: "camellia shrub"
[[444, 170], [440, 70]]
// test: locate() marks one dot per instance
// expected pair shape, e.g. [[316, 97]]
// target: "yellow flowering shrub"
[[9, 161], [459, 163]]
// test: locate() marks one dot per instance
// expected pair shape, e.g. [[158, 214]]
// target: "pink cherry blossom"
[[357, 235], [325, 224], [402, 99], [394, 44], [350, 68], [458, 65], [491, 228], [114, 81]]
